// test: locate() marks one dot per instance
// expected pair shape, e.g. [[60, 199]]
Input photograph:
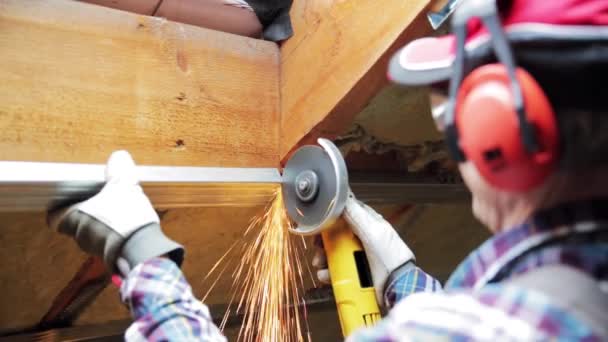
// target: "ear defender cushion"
[[489, 132]]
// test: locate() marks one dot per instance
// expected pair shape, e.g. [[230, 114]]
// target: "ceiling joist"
[[80, 81], [337, 61]]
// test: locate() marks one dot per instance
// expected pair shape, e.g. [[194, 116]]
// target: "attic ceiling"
[[394, 132], [37, 263]]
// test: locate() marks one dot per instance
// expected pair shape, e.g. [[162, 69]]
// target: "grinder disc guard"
[[315, 187]]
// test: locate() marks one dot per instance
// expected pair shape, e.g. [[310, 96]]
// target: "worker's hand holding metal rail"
[[385, 250], [119, 223]]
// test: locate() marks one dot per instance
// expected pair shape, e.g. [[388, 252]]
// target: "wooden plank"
[[337, 60], [79, 81]]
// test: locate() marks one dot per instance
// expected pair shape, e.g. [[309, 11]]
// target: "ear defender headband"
[[498, 117]]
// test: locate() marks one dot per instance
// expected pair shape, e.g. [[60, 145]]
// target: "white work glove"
[[384, 248], [119, 223]]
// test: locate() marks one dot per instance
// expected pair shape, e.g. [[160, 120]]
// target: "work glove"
[[119, 223], [385, 250]]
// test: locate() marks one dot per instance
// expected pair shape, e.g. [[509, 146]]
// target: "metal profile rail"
[[37, 186], [398, 188]]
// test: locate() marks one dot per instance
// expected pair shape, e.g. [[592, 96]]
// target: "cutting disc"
[[315, 187]]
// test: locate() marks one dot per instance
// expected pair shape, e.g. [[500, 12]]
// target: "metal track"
[[28, 186], [380, 192], [32, 186], [398, 188]]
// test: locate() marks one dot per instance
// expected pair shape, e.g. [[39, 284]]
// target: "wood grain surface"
[[79, 81], [336, 62]]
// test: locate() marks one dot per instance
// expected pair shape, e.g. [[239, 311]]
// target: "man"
[[543, 274]]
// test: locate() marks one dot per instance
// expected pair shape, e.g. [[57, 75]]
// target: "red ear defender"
[[489, 133]]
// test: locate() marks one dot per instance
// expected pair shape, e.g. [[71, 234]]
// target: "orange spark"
[[268, 283]]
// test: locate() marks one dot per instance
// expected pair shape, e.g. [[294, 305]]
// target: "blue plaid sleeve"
[[164, 307], [494, 313], [407, 280]]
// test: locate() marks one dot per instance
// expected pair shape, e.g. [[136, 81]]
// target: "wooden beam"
[[337, 61], [79, 81]]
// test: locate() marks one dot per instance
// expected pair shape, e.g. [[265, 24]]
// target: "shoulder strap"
[[570, 288]]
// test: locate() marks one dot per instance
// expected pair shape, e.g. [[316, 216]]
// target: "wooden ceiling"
[[80, 81]]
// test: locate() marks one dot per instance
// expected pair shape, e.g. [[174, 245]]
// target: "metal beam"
[[414, 193], [398, 188], [29, 186], [37, 186]]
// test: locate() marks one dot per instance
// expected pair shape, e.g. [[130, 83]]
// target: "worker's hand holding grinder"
[[119, 223], [386, 252]]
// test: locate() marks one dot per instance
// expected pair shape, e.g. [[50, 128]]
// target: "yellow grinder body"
[[315, 189]]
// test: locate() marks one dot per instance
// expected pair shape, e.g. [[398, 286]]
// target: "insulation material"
[[400, 116], [398, 119]]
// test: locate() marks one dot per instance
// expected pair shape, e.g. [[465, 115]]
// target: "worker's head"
[[526, 135]]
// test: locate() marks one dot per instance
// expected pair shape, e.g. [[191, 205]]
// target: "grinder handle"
[[350, 278]]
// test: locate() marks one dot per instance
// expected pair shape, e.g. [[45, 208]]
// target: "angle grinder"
[[315, 188]]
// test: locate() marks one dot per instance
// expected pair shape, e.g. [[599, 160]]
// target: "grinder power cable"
[[315, 188]]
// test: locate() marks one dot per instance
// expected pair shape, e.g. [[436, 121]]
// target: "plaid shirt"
[[163, 306], [478, 302]]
